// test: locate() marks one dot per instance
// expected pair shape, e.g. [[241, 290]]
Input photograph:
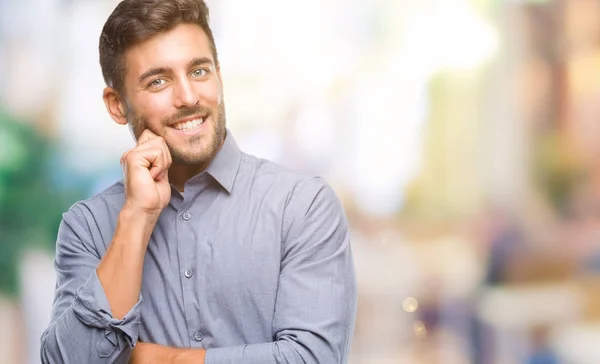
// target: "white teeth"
[[189, 125]]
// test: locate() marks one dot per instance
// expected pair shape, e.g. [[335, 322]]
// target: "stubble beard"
[[189, 154]]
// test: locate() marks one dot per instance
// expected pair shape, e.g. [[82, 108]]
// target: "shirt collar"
[[224, 167]]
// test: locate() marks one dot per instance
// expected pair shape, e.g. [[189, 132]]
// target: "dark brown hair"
[[134, 21]]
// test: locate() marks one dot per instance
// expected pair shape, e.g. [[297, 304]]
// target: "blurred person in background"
[[202, 253]]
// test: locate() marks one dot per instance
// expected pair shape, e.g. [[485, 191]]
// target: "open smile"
[[189, 126]]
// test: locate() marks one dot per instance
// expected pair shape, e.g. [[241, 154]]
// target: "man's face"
[[173, 88]]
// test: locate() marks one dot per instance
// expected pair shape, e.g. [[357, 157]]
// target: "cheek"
[[210, 93], [156, 106]]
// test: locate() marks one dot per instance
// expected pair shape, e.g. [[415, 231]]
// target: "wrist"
[[138, 216], [134, 225]]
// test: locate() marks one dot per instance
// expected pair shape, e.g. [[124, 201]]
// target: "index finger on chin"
[[146, 135]]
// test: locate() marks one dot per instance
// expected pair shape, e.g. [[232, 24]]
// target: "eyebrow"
[[199, 61], [153, 72], [161, 70]]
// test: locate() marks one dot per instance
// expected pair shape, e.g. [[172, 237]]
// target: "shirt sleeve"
[[82, 328], [316, 301]]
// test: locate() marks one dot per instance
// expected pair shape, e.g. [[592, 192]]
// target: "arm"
[[95, 317], [82, 328], [146, 353], [316, 300]]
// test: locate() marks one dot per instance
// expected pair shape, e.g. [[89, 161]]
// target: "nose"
[[184, 94]]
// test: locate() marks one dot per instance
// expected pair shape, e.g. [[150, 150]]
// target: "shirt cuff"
[[230, 355], [92, 308]]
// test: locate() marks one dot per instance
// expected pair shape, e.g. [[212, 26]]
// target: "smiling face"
[[173, 87]]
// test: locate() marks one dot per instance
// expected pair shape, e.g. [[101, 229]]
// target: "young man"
[[202, 254]]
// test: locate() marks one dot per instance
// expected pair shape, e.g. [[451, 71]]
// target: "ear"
[[115, 105]]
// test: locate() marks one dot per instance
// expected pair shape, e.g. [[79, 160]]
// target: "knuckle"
[[130, 156], [124, 156], [160, 140]]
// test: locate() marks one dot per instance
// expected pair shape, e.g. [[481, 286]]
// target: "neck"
[[180, 173]]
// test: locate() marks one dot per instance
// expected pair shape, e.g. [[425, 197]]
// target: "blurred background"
[[463, 138]]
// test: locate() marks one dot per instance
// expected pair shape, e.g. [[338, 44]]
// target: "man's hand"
[[146, 167], [147, 192], [146, 353]]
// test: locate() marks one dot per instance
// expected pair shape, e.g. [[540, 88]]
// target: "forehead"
[[171, 49]]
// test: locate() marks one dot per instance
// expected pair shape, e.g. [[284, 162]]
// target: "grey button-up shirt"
[[251, 262]]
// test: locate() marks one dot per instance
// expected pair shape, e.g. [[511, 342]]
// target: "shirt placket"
[[186, 221]]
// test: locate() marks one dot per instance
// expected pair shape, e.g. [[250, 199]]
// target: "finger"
[[152, 142], [157, 142], [159, 165], [157, 172], [160, 146], [152, 158], [167, 163], [162, 176], [166, 152], [124, 156], [146, 135]]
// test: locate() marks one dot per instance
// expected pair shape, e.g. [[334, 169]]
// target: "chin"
[[192, 158], [199, 150]]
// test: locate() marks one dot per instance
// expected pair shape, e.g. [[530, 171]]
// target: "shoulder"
[[98, 211], [302, 191], [298, 191], [291, 181], [88, 224], [111, 198]]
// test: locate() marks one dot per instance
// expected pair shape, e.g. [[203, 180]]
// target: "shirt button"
[[186, 216], [198, 336], [189, 273]]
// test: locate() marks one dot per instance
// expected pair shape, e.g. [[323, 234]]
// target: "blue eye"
[[199, 72], [157, 82]]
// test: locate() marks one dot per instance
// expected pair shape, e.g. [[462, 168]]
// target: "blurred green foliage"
[[31, 205]]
